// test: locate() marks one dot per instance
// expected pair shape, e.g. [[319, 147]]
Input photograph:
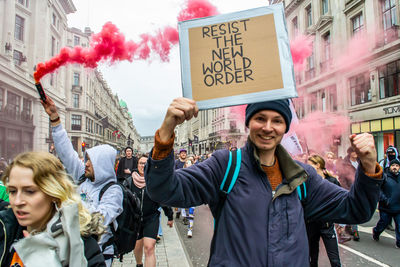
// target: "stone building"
[[367, 90]]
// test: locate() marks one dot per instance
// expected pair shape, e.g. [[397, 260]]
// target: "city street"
[[365, 253]]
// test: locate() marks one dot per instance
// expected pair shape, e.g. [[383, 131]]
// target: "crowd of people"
[[65, 210]]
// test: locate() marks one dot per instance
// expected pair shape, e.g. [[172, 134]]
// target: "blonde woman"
[[47, 224]]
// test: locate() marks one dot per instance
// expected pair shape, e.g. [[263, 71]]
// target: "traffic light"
[[83, 146]]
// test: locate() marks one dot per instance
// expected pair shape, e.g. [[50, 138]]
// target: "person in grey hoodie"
[[93, 175]]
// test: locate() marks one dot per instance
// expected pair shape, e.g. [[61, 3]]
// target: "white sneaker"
[[189, 233]]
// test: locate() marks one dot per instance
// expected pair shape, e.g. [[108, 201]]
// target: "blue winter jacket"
[[258, 227], [390, 195]]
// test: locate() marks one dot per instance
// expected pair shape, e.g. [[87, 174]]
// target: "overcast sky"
[[146, 86]]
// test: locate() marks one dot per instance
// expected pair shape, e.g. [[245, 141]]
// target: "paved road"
[[366, 253]]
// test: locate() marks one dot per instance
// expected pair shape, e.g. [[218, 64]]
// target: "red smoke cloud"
[[110, 43]]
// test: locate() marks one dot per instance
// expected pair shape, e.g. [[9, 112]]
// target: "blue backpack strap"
[[302, 192]]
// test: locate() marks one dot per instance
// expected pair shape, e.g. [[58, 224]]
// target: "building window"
[[309, 16], [323, 101], [332, 98], [360, 89], [18, 57], [75, 100], [24, 2], [76, 121], [310, 72], [389, 79], [77, 77], [19, 28], [13, 102], [54, 20], [295, 26], [27, 106], [1, 99], [53, 46], [389, 17], [325, 6], [357, 23], [313, 101], [77, 40], [326, 52]]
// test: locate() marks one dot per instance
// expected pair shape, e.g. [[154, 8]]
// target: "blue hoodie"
[[385, 162]]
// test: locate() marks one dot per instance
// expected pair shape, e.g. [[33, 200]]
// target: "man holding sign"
[[261, 223]]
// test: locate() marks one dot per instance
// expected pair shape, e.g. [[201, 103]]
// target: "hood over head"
[[103, 160], [392, 149]]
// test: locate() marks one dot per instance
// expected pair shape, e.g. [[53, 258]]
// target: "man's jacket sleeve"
[[329, 203], [186, 187]]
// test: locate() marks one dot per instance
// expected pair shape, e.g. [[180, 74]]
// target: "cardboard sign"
[[237, 58]]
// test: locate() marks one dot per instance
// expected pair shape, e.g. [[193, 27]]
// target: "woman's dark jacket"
[[389, 200], [121, 175], [11, 231], [149, 207], [259, 226]]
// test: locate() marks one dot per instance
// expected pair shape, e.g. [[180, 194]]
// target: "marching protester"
[[390, 154], [148, 231], [348, 168], [389, 202], [47, 224], [275, 235], [189, 212], [179, 162], [92, 175], [324, 230], [126, 165]]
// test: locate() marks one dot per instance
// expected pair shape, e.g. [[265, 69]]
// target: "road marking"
[[368, 230], [363, 255]]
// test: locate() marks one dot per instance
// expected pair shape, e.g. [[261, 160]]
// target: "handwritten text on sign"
[[234, 57]]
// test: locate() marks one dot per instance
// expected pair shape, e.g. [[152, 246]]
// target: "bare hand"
[[170, 224], [364, 147], [127, 171], [179, 110], [50, 107]]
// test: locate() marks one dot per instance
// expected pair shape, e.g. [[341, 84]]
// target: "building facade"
[[364, 88], [33, 32]]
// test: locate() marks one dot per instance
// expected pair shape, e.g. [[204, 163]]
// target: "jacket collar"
[[292, 173]]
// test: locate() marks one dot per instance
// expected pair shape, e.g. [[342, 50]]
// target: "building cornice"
[[68, 6]]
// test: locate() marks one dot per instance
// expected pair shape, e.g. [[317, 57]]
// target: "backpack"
[[231, 175], [124, 238]]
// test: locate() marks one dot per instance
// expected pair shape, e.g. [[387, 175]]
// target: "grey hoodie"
[[102, 158]]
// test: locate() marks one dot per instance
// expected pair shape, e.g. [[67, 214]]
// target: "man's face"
[[353, 155], [128, 153], [267, 128], [182, 155], [394, 168], [89, 171]]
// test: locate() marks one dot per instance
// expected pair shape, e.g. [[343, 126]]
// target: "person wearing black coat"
[[389, 202], [148, 231], [126, 165], [324, 230]]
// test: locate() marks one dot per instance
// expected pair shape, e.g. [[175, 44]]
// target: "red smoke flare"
[[110, 43], [301, 48]]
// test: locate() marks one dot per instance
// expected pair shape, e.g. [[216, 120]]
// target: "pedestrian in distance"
[[179, 163], [47, 224], [92, 175], [147, 235], [389, 202], [267, 182], [324, 230], [390, 154], [126, 165]]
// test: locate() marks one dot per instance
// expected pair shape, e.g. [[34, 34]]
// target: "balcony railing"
[[12, 114], [77, 88]]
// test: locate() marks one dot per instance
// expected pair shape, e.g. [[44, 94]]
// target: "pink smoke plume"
[[301, 48], [320, 128], [110, 43]]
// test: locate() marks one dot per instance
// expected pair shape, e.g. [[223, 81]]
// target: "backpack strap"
[[230, 177], [302, 192], [111, 240]]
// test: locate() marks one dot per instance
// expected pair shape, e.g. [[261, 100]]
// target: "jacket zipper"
[[5, 242]]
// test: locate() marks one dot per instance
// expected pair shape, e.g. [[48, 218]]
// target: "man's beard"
[[395, 173]]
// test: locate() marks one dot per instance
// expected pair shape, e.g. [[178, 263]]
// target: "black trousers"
[[315, 231]]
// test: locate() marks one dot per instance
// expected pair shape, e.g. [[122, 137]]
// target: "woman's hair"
[[316, 159], [49, 175]]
